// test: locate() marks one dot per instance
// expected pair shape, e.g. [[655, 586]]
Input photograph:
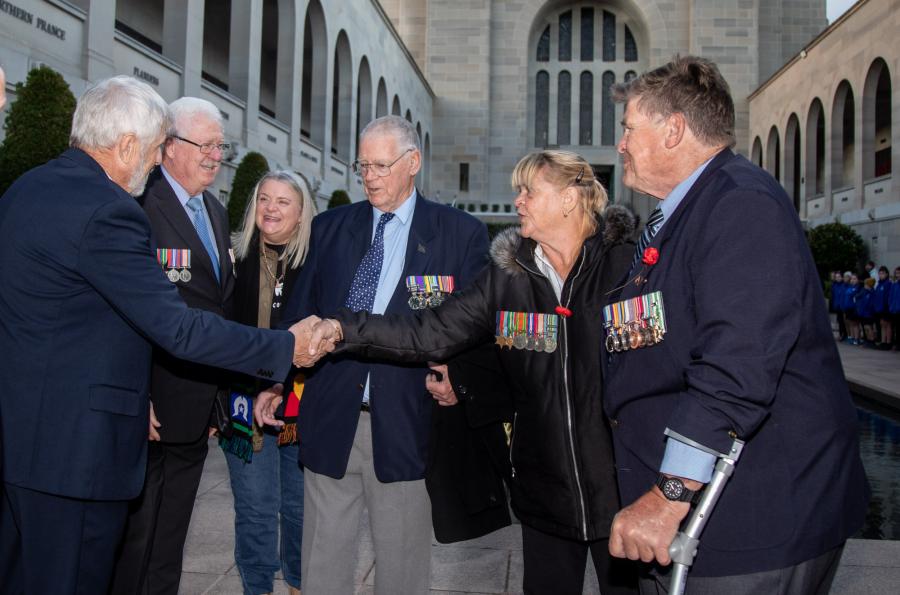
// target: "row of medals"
[[421, 301], [183, 275], [633, 335], [528, 342]]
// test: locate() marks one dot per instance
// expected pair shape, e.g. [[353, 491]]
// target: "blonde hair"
[[295, 252], [563, 169]]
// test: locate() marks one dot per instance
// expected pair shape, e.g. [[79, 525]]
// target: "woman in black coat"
[[540, 301]]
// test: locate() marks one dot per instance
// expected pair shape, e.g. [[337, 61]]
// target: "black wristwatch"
[[674, 489]]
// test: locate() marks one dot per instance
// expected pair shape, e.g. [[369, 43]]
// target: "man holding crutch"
[[720, 333]]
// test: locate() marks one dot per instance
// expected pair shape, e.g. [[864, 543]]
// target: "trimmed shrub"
[[38, 124], [836, 246], [338, 198], [249, 171]]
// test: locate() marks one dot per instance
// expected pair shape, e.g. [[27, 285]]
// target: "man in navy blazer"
[[742, 348], [364, 425], [83, 301]]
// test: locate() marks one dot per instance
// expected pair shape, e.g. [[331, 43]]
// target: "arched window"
[[877, 121], [586, 109], [395, 107], [565, 36], [381, 108], [631, 52], [313, 92], [542, 109], [792, 171], [363, 97], [543, 48], [408, 116], [815, 150], [564, 109], [608, 116], [773, 154], [581, 37], [843, 137], [756, 152], [342, 98]]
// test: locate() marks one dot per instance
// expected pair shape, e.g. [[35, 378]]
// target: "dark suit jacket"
[[82, 302], [182, 392], [749, 349], [442, 241]]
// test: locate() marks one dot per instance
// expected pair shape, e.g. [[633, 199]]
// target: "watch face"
[[672, 489]]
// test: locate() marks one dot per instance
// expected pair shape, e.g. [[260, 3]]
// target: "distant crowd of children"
[[867, 307]]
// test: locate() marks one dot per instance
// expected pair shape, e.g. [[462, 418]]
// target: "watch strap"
[[687, 495]]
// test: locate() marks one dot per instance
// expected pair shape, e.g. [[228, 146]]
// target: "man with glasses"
[[364, 425], [192, 236]]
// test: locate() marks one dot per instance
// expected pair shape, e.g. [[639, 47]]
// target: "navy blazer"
[[82, 302], [749, 350], [442, 241]]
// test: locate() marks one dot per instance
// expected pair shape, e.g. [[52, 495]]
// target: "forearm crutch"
[[684, 546]]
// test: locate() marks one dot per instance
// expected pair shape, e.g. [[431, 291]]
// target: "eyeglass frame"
[[359, 165], [221, 146]]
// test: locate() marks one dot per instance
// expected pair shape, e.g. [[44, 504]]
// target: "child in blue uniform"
[[894, 308], [881, 308]]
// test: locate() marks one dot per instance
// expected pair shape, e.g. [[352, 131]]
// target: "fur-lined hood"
[[617, 226]]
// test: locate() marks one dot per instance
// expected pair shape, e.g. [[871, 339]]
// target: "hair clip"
[[579, 176]]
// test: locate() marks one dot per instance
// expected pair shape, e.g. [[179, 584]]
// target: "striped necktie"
[[195, 204], [653, 224]]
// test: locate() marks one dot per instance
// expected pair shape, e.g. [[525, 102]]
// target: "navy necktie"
[[653, 225], [195, 204], [365, 282]]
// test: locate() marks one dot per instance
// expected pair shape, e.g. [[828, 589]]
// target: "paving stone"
[[480, 570]]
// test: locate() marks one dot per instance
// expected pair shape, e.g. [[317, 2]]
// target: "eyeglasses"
[[379, 169], [205, 148]]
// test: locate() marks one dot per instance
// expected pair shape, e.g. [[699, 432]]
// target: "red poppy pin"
[[650, 257], [563, 311]]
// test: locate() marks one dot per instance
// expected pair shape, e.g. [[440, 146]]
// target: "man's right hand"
[[265, 405], [154, 423], [302, 331]]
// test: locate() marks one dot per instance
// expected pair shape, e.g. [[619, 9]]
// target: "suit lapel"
[[223, 240], [633, 289], [419, 251], [170, 208]]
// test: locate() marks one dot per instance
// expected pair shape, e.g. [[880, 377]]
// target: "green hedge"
[[249, 171]]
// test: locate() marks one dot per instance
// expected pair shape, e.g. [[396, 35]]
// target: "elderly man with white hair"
[[83, 301], [191, 227]]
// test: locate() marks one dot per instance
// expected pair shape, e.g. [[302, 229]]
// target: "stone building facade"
[[294, 79], [485, 81], [826, 126]]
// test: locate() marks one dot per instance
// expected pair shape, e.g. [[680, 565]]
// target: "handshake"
[[313, 338]]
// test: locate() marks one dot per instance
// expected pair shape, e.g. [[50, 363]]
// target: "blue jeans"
[[269, 486]]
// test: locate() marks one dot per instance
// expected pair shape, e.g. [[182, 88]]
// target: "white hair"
[[114, 107], [399, 128], [297, 247], [184, 110]]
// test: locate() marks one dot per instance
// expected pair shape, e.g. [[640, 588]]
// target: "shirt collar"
[[403, 212], [180, 192], [671, 202]]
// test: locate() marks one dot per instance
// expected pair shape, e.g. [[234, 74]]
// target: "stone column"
[[99, 34], [243, 62], [183, 40]]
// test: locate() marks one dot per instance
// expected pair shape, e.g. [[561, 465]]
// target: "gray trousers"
[[399, 514], [812, 577]]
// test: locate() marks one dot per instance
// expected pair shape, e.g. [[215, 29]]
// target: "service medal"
[[173, 275], [185, 275]]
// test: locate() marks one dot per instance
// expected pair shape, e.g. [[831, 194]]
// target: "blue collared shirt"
[[183, 198], [396, 238], [682, 459]]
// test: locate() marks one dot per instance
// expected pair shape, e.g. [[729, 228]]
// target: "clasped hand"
[[313, 338]]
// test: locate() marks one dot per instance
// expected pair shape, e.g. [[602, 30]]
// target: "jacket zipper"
[[565, 367]]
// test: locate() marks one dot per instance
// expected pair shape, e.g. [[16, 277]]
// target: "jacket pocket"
[[115, 399]]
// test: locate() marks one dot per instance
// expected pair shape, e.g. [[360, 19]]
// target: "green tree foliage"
[[338, 198], [249, 171], [836, 247], [37, 125]]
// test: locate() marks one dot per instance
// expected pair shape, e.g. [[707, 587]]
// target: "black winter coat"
[[564, 479]]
